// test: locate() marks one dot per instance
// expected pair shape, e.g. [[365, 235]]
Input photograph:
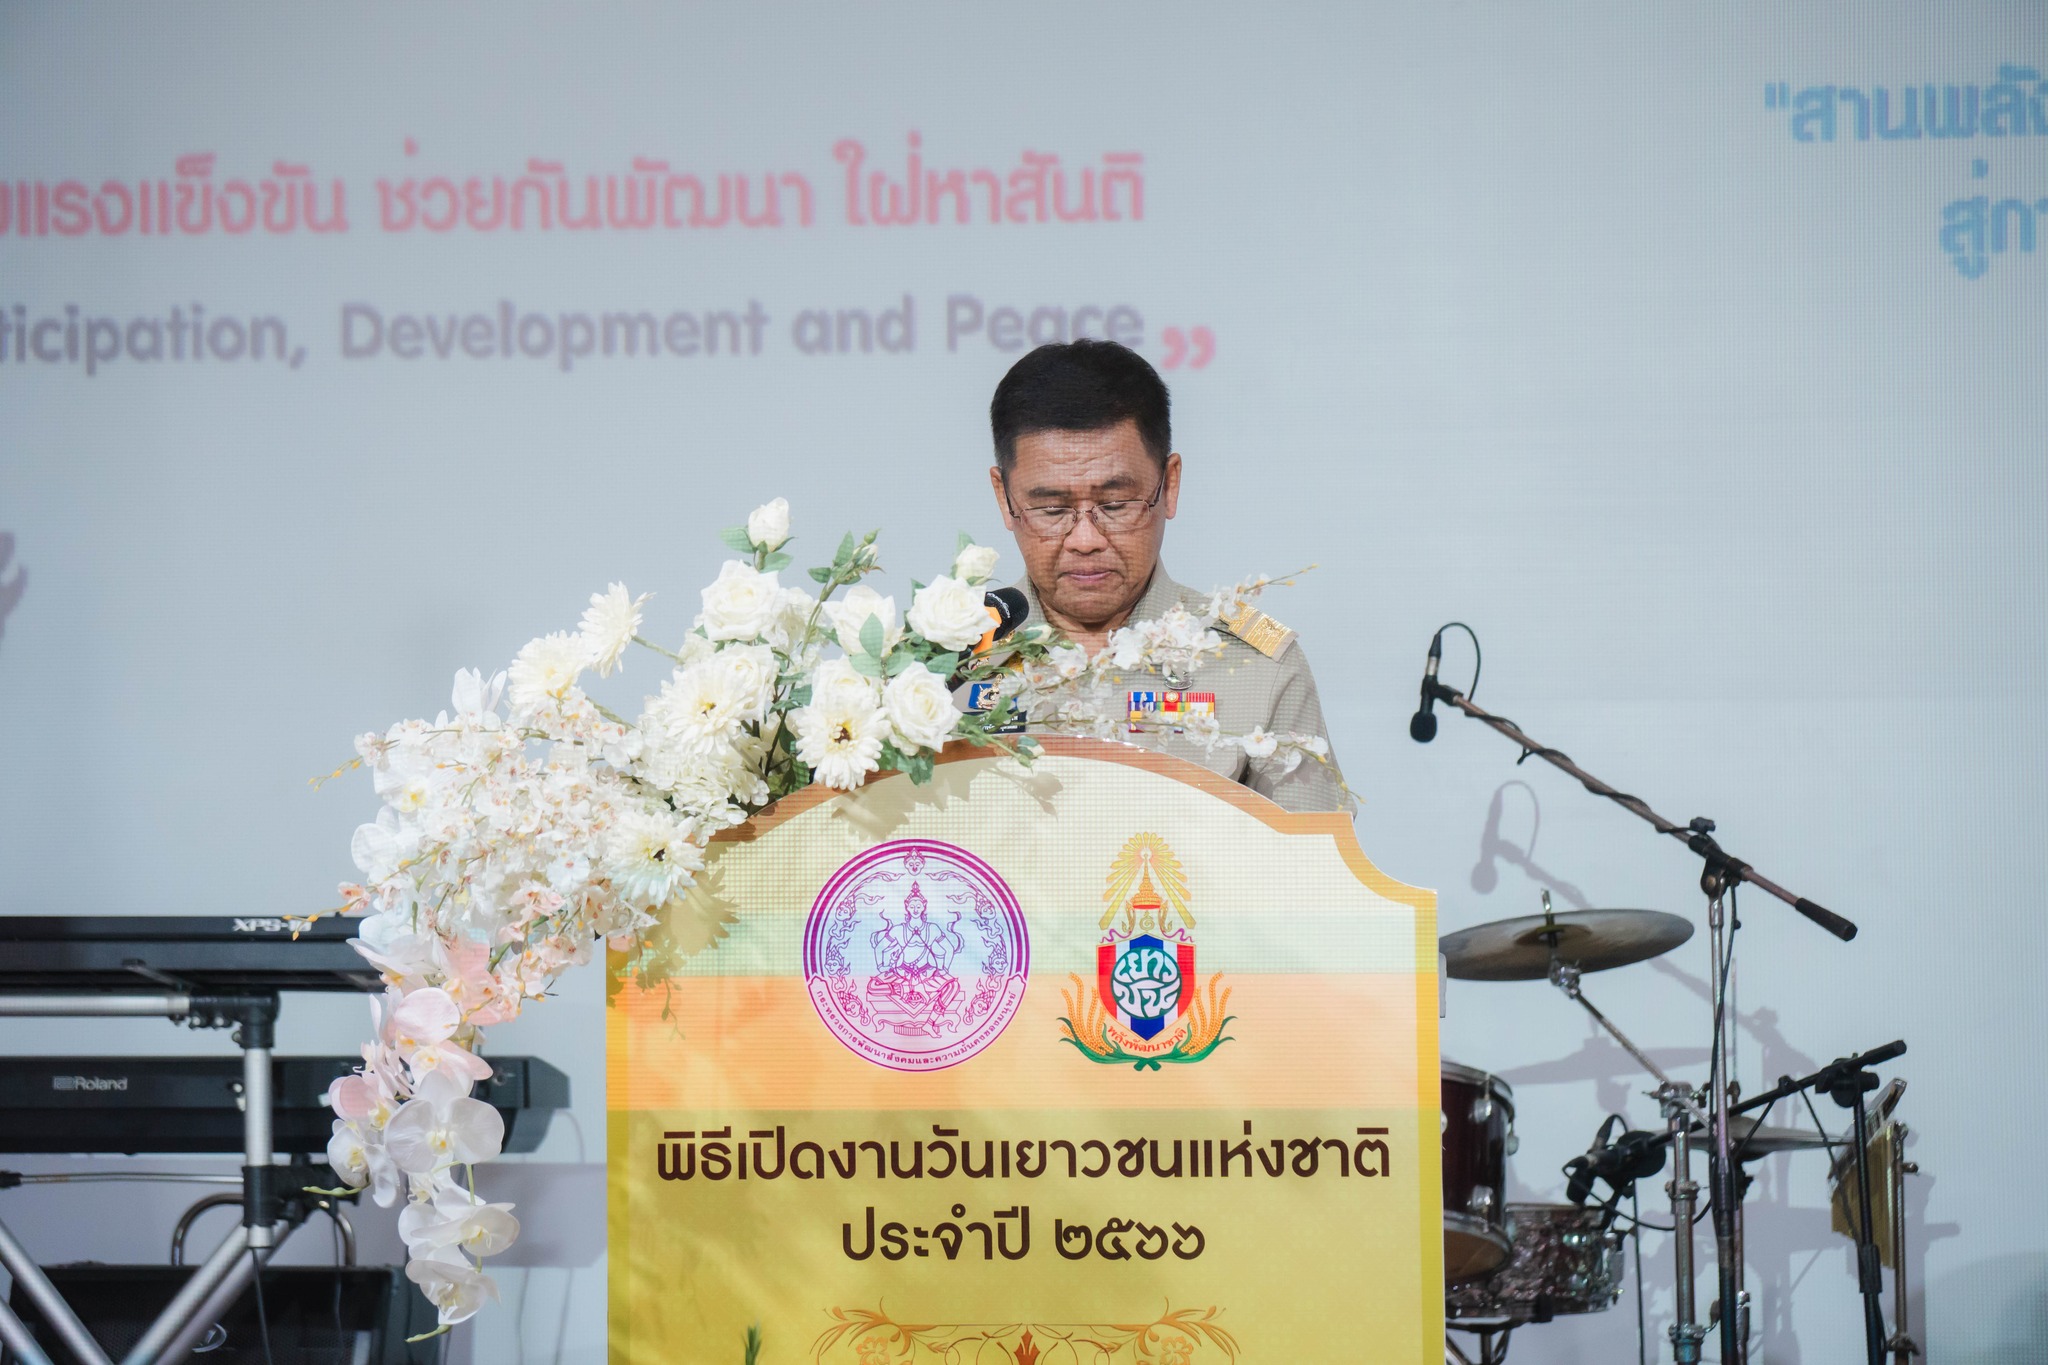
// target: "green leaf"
[[821, 575], [897, 662], [800, 696], [920, 768], [866, 663], [737, 539], [892, 757], [945, 665], [776, 560], [845, 555], [871, 635], [965, 541]]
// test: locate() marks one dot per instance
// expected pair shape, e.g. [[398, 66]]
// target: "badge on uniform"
[[1169, 706], [1143, 705], [983, 696]]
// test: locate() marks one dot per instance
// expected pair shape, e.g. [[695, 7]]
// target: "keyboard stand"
[[267, 1216]]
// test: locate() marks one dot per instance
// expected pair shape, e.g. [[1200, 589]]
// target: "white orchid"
[[456, 1288], [440, 1127]]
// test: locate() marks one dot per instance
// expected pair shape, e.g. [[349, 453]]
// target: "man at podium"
[[1086, 478]]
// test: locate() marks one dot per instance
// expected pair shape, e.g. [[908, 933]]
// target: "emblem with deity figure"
[[915, 955]]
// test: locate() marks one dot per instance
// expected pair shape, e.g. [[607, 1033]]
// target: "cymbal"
[[1520, 949], [1755, 1140]]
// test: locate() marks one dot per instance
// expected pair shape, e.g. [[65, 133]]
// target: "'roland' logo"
[[88, 1082], [270, 925]]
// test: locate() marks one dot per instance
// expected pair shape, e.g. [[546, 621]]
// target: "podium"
[[1101, 1060]]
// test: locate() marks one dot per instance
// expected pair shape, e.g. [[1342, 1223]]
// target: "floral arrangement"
[[528, 824]]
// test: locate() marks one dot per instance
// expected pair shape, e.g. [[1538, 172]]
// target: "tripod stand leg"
[[15, 1335], [48, 1301]]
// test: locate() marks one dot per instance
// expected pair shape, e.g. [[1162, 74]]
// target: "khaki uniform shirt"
[[1268, 686]]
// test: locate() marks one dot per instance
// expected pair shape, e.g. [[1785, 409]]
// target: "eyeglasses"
[[1110, 518]]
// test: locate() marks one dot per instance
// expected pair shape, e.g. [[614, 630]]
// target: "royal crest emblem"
[[1147, 1007], [915, 955]]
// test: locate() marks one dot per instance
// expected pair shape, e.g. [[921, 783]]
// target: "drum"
[[1562, 1263], [1479, 1136]]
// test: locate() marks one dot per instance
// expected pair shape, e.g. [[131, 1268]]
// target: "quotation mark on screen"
[[1195, 347]]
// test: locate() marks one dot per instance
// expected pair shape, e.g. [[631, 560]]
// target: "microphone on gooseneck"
[[1422, 725], [1006, 611], [1007, 608]]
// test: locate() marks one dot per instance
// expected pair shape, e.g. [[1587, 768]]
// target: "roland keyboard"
[[192, 952], [127, 1105]]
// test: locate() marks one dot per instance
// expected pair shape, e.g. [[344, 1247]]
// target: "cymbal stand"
[[1682, 1113], [1723, 1174], [1901, 1345]]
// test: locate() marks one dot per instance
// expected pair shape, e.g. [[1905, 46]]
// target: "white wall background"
[[1539, 317]]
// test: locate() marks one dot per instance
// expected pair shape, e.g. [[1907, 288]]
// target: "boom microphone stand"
[[1722, 873]]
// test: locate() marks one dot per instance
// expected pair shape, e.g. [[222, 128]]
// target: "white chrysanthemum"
[[545, 669], [649, 856], [950, 613], [609, 625], [841, 741], [851, 612], [742, 603], [920, 709], [699, 710]]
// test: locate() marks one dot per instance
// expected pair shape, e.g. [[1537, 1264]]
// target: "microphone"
[[1007, 610], [1620, 1163], [1422, 725]]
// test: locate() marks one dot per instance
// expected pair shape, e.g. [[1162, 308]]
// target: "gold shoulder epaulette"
[[1260, 631]]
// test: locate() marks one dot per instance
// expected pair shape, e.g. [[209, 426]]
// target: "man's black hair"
[[1083, 385]]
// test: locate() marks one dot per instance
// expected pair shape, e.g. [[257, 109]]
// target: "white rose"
[[920, 709], [768, 524], [974, 563], [752, 669], [950, 613], [852, 611], [741, 604], [838, 683]]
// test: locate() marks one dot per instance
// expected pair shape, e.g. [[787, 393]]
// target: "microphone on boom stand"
[[1619, 1163], [1422, 725]]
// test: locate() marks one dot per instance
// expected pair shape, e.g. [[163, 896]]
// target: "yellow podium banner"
[[1102, 1060]]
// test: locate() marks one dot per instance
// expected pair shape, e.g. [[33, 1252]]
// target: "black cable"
[[1635, 1204], [1471, 690], [341, 1351], [262, 1314]]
